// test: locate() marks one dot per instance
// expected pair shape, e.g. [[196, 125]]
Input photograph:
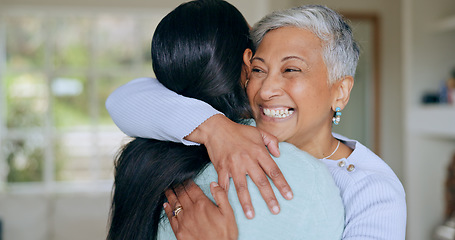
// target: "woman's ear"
[[247, 55], [342, 92]]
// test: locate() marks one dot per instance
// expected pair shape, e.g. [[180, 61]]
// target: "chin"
[[277, 132]]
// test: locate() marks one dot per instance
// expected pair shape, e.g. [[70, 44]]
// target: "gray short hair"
[[340, 50]]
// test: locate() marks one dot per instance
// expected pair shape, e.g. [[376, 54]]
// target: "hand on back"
[[238, 150], [200, 218]]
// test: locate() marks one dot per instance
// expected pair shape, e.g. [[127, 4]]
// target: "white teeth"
[[282, 113]]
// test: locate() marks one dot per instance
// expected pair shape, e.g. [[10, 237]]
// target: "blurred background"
[[59, 60]]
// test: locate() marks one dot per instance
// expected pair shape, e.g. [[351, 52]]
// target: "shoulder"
[[373, 196], [134, 86], [144, 80], [304, 173], [292, 159], [316, 211], [363, 164]]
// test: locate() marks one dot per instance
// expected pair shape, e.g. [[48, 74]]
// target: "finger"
[[221, 199], [271, 142], [183, 197], [260, 179], [171, 197], [223, 179], [170, 216], [272, 146], [194, 191], [243, 194], [277, 177]]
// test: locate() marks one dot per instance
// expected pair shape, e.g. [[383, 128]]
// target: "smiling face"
[[288, 88]]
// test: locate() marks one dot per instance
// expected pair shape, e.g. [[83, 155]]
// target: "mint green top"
[[315, 212]]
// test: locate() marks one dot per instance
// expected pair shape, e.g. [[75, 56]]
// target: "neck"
[[328, 149], [320, 146], [318, 141], [334, 151]]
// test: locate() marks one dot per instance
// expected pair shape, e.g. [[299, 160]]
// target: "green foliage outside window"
[[94, 54]]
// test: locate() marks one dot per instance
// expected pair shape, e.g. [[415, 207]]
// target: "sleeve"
[[375, 209], [145, 108]]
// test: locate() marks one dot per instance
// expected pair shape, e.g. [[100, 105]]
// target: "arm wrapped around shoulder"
[[145, 108]]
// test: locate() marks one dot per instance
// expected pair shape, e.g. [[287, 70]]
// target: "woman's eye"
[[257, 70], [292, 70]]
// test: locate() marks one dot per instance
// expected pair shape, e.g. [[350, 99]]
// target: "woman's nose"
[[271, 87]]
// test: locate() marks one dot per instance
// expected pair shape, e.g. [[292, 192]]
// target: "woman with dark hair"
[[197, 52]]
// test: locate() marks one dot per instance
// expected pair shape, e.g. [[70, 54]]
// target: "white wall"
[[429, 57]]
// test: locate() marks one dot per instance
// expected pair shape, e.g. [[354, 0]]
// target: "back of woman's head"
[[197, 51]]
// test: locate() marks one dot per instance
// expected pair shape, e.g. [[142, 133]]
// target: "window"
[[56, 71]]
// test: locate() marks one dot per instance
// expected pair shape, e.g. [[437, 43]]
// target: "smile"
[[278, 113]]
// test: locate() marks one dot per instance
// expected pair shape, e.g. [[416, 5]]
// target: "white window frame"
[[49, 184]]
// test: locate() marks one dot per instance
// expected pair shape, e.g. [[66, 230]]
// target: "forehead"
[[286, 40]]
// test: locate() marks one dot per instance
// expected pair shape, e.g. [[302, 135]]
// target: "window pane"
[[24, 42], [72, 42], [27, 100], [149, 26], [59, 71], [116, 41], [71, 101], [109, 136], [82, 155], [74, 155], [25, 158], [108, 146], [105, 86]]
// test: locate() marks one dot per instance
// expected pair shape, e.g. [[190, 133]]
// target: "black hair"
[[202, 56], [197, 51], [143, 171]]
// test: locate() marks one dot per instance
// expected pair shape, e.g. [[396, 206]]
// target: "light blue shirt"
[[315, 213]]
